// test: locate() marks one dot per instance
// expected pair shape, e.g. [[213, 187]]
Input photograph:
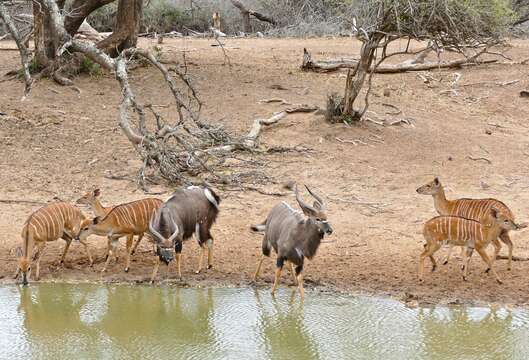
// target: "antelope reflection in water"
[[283, 330]]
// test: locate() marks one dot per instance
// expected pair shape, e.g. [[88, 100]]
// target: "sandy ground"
[[61, 144]]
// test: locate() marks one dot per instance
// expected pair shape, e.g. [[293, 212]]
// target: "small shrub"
[[87, 66], [34, 67]]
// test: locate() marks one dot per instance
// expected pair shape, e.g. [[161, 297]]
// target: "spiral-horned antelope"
[[474, 209], [123, 220], [292, 236], [49, 223], [471, 234], [188, 211]]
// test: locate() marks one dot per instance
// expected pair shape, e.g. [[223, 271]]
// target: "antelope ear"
[[436, 181], [97, 192], [307, 211], [494, 212], [18, 252]]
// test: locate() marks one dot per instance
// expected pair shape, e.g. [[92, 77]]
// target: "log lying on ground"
[[336, 64], [251, 140]]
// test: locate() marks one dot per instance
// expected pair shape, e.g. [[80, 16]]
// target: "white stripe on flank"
[[449, 229]]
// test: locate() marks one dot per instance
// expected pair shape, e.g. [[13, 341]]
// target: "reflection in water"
[[489, 333], [283, 331], [109, 322]]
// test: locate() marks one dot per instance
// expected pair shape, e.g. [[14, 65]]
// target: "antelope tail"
[[259, 227]]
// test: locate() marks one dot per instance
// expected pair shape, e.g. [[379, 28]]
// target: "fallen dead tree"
[[180, 149], [331, 65], [246, 13]]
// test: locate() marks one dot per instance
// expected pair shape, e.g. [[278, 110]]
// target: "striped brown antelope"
[[474, 209], [471, 234], [292, 236], [123, 220], [49, 223], [91, 199]]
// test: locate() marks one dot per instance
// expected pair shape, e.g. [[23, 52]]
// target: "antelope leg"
[[299, 272], [291, 268], [40, 251], [258, 270], [201, 258], [279, 268], [66, 247], [155, 270], [209, 243], [130, 239]]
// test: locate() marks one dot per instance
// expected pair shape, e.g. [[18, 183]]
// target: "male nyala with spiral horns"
[[293, 236]]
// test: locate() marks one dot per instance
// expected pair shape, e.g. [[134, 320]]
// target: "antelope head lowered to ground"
[[188, 211], [293, 236], [49, 223], [123, 220]]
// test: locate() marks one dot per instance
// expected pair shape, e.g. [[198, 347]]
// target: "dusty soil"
[[61, 144]]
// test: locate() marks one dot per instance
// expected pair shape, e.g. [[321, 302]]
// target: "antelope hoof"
[[151, 282], [197, 272], [445, 262], [509, 268], [126, 269], [465, 278], [487, 271], [104, 270], [499, 281], [433, 268], [210, 267]]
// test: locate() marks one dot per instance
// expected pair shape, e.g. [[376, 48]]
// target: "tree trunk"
[[126, 30], [247, 25], [82, 8], [245, 13], [356, 78], [45, 41]]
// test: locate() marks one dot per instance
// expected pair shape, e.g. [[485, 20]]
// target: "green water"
[[51, 321]]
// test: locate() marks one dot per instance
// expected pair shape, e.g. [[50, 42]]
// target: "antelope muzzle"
[[165, 254], [327, 228]]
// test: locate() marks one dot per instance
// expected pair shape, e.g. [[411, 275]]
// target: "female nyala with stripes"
[[49, 223], [123, 220], [464, 232], [474, 209]]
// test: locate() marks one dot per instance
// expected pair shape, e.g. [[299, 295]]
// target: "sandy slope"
[[60, 145]]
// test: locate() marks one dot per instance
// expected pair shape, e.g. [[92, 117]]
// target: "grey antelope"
[[188, 211], [123, 220], [459, 231], [91, 199], [292, 236], [474, 209], [49, 223]]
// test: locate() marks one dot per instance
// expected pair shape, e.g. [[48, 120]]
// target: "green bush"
[[87, 66]]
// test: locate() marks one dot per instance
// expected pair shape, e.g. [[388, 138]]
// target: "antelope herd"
[[293, 235]]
